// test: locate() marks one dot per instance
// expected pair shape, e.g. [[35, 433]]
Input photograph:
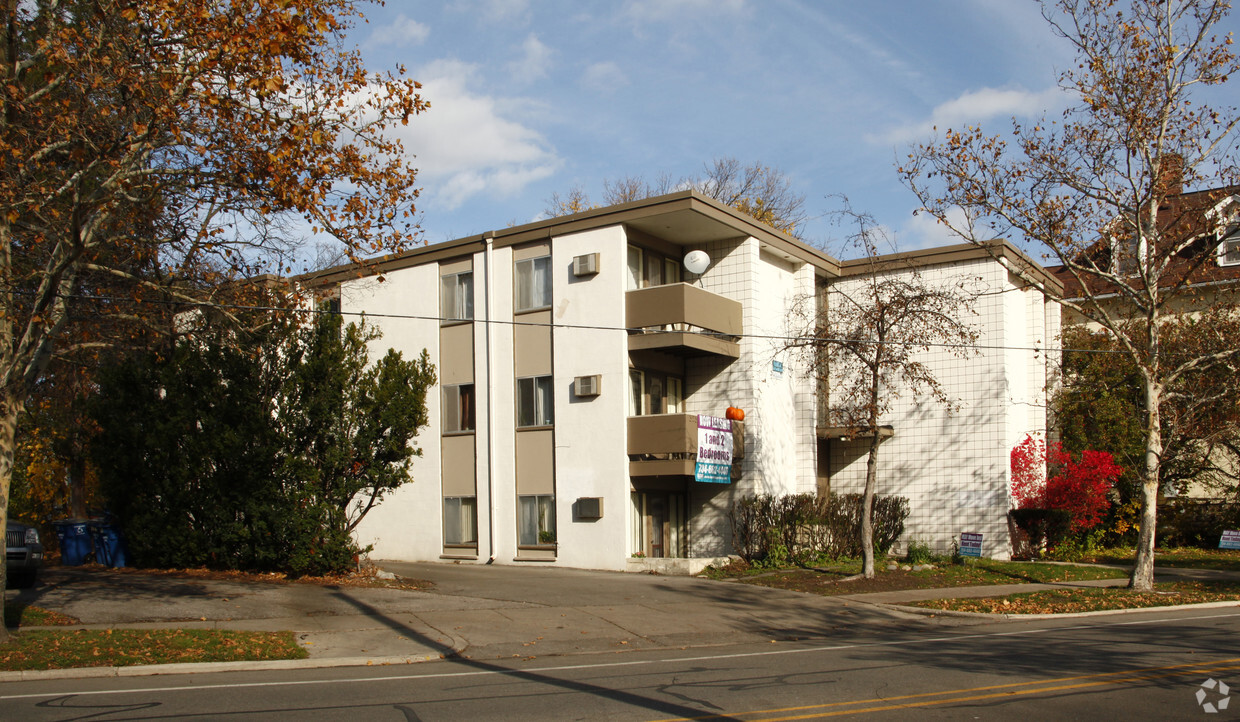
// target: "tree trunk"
[[1142, 578], [867, 508], [10, 407]]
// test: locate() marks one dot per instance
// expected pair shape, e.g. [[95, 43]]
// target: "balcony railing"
[[666, 444], [684, 319]]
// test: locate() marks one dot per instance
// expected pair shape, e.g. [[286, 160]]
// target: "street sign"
[[970, 544]]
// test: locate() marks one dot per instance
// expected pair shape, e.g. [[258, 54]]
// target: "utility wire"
[[806, 340]]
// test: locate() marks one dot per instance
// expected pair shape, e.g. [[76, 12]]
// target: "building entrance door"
[[659, 528]]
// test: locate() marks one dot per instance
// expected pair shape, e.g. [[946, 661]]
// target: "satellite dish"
[[696, 262]]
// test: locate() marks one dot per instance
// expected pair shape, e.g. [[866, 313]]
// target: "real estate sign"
[[970, 544], [714, 456], [1230, 539]]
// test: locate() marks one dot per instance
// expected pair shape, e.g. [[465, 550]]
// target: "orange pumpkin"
[[735, 414]]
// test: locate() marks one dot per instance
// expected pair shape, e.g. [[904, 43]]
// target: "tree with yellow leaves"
[[151, 150]]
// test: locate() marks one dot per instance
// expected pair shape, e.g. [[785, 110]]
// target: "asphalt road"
[[1147, 665]]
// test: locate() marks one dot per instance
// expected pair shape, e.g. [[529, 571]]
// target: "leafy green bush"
[[801, 528], [262, 456], [918, 552], [1195, 523]]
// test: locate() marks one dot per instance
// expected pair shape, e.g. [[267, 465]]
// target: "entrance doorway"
[[659, 528]]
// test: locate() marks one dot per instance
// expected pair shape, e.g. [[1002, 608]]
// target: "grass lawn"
[[1225, 559], [61, 649], [835, 579], [21, 615], [1089, 599]]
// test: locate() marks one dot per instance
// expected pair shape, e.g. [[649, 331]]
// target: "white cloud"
[[973, 108], [924, 231], [603, 76], [465, 145], [403, 30], [534, 62]]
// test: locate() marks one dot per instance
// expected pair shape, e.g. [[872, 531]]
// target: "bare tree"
[[1101, 188], [868, 343], [758, 190]]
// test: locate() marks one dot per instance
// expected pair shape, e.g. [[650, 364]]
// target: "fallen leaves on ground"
[[1092, 599], [62, 649]]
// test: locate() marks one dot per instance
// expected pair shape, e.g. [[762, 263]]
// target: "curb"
[[147, 670], [926, 612]]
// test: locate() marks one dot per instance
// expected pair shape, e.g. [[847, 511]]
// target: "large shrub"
[[259, 456], [802, 527]]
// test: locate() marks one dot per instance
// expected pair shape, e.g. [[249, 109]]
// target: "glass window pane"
[[654, 390], [675, 396], [654, 270], [634, 277], [451, 410], [533, 283], [452, 521], [525, 402], [527, 509], [636, 392], [469, 520], [467, 407], [544, 403], [546, 519], [671, 271], [456, 297]]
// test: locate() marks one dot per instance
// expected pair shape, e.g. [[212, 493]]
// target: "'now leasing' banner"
[[714, 456]]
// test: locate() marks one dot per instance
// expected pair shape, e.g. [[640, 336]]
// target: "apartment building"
[[583, 364]]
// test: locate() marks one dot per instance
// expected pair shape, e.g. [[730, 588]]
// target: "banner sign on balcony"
[[714, 456]]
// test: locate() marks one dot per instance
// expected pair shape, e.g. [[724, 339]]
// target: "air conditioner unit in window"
[[588, 385], [586, 265]]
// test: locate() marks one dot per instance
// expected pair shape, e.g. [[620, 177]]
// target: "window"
[[456, 296], [637, 395], [458, 408], [1229, 250], [537, 520], [533, 283], [633, 278], [651, 392], [675, 396], [460, 520], [535, 405]]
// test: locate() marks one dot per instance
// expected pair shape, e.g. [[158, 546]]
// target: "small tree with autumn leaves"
[[1045, 476], [152, 149], [1098, 190], [867, 341]]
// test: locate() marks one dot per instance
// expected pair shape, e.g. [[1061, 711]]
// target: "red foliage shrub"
[[1079, 486]]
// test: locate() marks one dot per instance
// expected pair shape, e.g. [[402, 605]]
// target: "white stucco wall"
[[591, 433], [400, 527], [954, 467]]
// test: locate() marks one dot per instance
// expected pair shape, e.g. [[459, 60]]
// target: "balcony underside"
[[684, 343]]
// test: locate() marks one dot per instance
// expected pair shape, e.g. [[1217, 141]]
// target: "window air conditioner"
[[587, 385], [590, 507], [586, 265]]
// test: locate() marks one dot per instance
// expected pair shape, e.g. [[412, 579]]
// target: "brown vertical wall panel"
[[456, 354], [536, 462], [532, 344], [458, 465]]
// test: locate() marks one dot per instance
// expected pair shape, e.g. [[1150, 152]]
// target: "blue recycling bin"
[[109, 545], [74, 538]]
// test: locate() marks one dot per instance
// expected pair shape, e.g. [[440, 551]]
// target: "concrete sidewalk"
[[480, 612]]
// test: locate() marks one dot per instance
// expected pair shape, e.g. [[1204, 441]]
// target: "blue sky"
[[531, 97]]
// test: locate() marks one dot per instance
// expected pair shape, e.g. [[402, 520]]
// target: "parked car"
[[23, 555]]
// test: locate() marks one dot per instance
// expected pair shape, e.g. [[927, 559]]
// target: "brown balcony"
[[666, 444], [683, 319]]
